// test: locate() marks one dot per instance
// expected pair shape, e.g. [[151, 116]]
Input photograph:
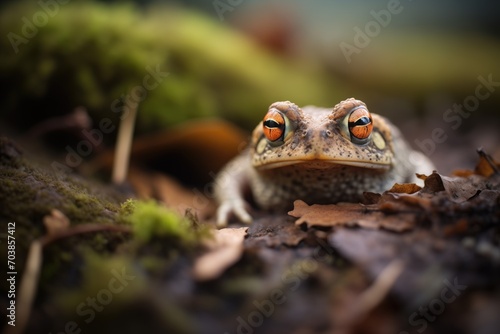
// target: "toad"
[[318, 155]]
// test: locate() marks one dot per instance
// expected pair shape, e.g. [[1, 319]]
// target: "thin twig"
[[371, 297], [376, 293], [78, 119], [82, 229], [124, 143]]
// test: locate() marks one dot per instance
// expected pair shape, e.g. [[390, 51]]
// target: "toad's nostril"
[[326, 134]]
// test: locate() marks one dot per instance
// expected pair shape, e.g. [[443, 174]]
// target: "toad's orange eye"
[[274, 125], [360, 124]]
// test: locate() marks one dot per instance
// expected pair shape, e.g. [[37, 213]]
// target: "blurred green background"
[[411, 61]]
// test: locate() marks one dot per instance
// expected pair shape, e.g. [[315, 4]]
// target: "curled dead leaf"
[[405, 188], [461, 189], [432, 183], [394, 202], [191, 152], [170, 192], [486, 165], [274, 231], [350, 214], [225, 249]]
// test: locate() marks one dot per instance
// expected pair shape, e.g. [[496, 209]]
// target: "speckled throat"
[[278, 188]]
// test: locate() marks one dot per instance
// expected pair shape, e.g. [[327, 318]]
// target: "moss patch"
[[28, 193]]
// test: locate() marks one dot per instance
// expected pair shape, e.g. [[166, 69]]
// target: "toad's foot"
[[235, 206]]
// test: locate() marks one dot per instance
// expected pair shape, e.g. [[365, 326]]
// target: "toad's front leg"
[[231, 185]]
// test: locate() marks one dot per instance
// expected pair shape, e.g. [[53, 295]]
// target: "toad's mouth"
[[325, 164]]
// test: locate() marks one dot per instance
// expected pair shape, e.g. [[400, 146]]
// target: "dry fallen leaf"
[[399, 208], [274, 231], [486, 165], [224, 250], [191, 152], [350, 214], [432, 183], [405, 188], [170, 192], [461, 189]]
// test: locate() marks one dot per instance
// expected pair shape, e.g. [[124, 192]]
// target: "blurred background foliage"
[[232, 59], [91, 54]]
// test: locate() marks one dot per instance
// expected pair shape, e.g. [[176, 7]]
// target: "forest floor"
[[410, 260]]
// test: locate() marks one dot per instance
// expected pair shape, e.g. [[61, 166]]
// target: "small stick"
[[376, 293], [124, 143], [372, 296]]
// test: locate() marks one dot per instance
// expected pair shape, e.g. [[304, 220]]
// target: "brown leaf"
[[224, 250], [461, 189], [371, 198], [421, 176], [274, 231], [432, 183], [486, 165], [462, 172], [169, 191], [405, 188], [351, 214], [191, 152], [55, 222], [396, 203]]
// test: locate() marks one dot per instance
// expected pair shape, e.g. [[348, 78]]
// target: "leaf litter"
[[447, 231], [406, 206], [402, 243]]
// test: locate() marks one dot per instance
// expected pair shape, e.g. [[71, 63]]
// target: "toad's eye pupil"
[[362, 121], [274, 126], [360, 125], [271, 123]]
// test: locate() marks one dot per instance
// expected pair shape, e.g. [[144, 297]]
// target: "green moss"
[[29, 192], [101, 271], [127, 207], [152, 220]]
